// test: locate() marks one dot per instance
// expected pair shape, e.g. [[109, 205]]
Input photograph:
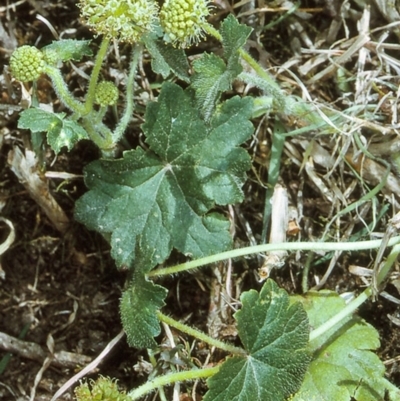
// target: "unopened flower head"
[[27, 63], [183, 21], [126, 20], [106, 93]]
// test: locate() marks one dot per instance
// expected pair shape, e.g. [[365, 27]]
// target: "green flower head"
[[27, 63], [106, 93], [184, 21], [103, 389], [126, 20]]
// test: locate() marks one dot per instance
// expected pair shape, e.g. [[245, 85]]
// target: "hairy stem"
[[100, 134], [94, 77], [355, 304], [200, 335], [123, 123], [348, 310], [387, 267], [287, 246], [272, 87], [62, 90], [170, 379]]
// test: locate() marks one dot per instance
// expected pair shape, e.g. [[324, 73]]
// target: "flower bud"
[[106, 93], [27, 63]]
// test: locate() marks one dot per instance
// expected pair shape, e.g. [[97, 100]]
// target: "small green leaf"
[[275, 335], [138, 308], [166, 58], [38, 120], [209, 81], [60, 132], [212, 75], [71, 132], [343, 366], [234, 36], [153, 201], [70, 49]]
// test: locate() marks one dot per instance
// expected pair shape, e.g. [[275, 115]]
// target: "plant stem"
[[348, 310], [392, 388], [123, 123], [286, 246], [62, 90], [99, 134], [306, 270], [353, 305], [94, 77], [200, 335], [154, 363], [170, 379], [100, 114], [386, 268], [273, 87], [212, 31]]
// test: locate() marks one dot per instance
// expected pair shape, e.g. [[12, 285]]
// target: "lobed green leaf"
[[70, 49], [212, 74], [138, 308], [60, 131], [155, 200], [275, 335], [165, 58], [343, 366]]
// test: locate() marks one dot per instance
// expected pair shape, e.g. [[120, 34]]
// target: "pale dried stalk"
[[279, 226], [25, 168]]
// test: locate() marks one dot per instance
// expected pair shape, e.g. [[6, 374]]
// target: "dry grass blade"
[[26, 169], [5, 245]]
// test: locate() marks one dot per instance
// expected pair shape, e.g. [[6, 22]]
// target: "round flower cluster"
[[106, 93], [183, 21], [27, 63], [126, 20], [103, 389]]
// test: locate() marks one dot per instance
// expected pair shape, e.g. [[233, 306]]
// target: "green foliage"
[[164, 196], [166, 191], [213, 75], [69, 49], [138, 311], [60, 131], [275, 335], [343, 367], [166, 59]]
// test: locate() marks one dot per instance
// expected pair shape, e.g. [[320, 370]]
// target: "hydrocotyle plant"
[[163, 196]]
